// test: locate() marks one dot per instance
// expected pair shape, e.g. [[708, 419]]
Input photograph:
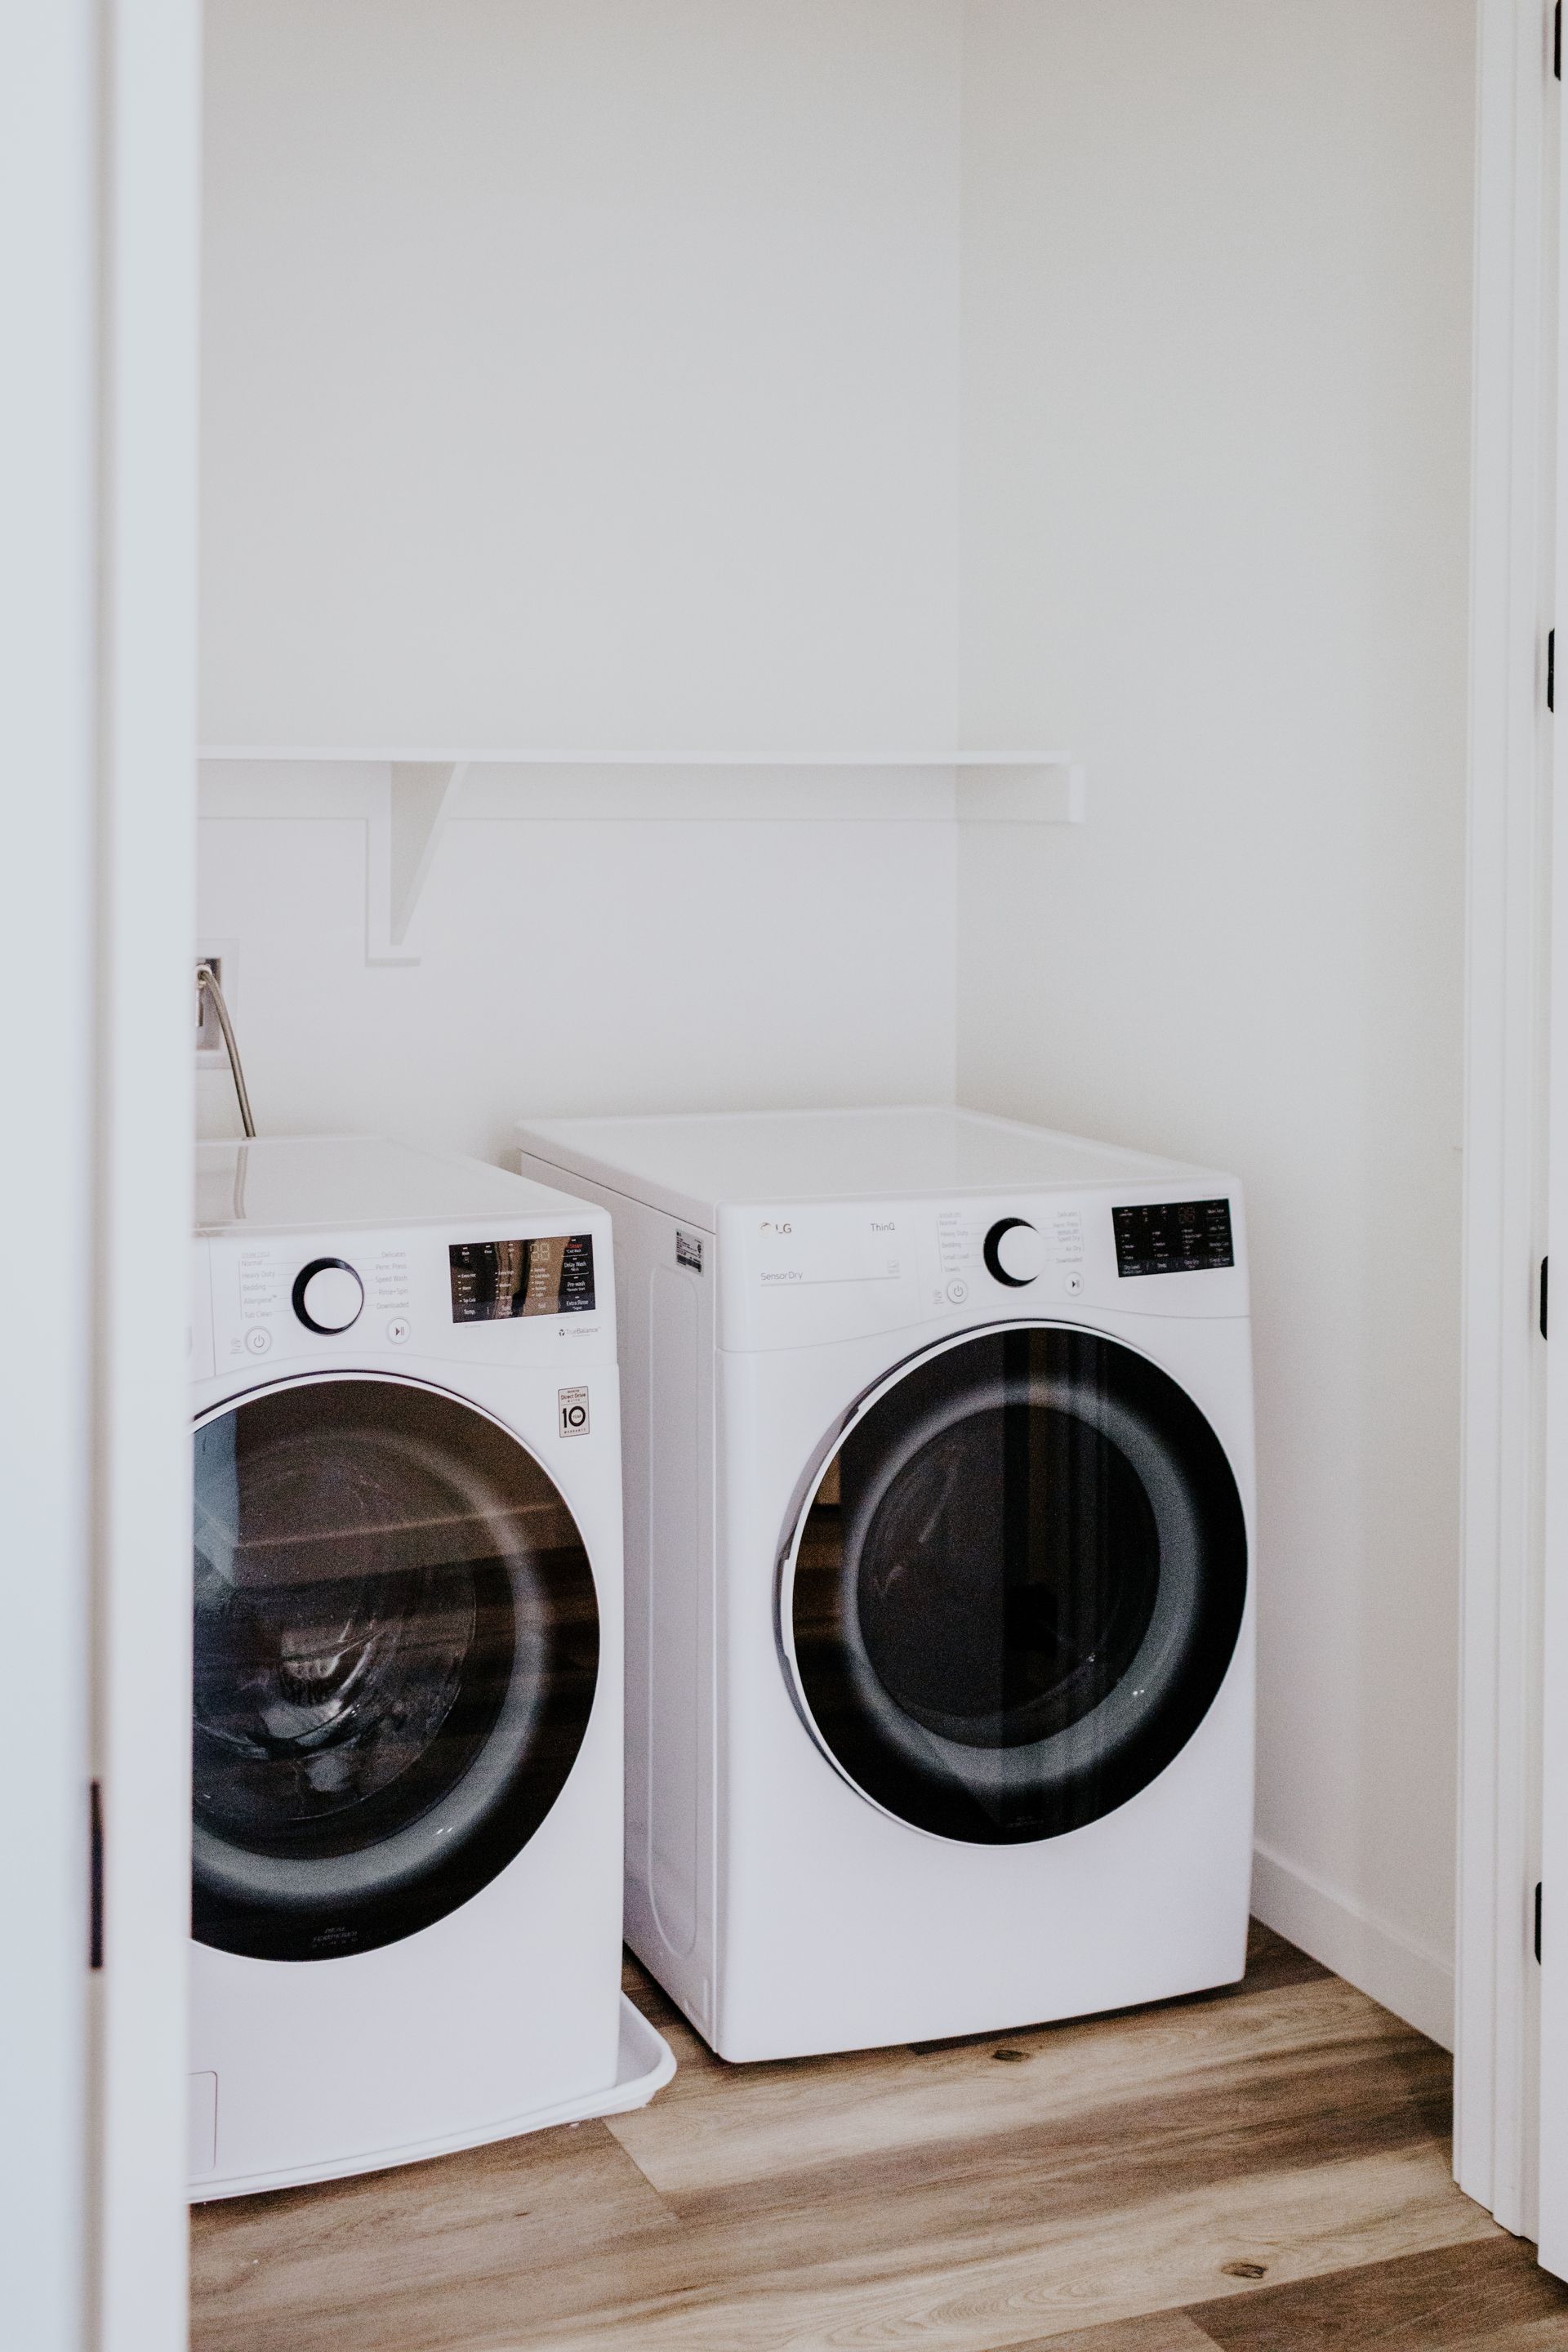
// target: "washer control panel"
[[1034, 1250], [796, 1276], [458, 1295]]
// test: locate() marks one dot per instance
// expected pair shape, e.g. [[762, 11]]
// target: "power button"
[[957, 1291], [258, 1338]]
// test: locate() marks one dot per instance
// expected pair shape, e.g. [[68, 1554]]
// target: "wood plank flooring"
[[1262, 2170]]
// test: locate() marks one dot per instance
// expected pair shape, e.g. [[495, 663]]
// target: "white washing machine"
[[939, 1477], [407, 1737]]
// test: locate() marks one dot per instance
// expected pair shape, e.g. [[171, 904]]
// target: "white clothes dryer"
[[406, 1712], [940, 1487]]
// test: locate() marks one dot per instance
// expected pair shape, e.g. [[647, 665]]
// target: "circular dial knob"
[[328, 1294], [1015, 1254]]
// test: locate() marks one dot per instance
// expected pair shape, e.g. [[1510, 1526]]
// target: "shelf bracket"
[[400, 837], [1051, 793]]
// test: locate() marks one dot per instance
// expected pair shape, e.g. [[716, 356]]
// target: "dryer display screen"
[[494, 1281], [1174, 1237]]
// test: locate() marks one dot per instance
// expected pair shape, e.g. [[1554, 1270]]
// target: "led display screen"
[[494, 1281], [1174, 1237]]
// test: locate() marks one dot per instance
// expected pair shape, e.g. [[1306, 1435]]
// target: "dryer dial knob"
[[328, 1294], [1015, 1253]]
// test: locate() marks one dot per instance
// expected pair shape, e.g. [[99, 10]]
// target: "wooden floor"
[[1265, 2170]]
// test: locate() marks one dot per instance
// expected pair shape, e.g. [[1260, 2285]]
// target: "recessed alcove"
[[736, 437]]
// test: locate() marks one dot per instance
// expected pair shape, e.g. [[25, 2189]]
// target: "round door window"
[[396, 1654], [1017, 1585]]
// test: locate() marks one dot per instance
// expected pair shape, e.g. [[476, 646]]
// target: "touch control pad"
[[401, 1293], [548, 1274], [1174, 1237]]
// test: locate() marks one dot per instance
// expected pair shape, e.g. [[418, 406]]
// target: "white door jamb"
[[1514, 427]]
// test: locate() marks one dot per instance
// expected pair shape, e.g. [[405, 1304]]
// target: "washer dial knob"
[[1015, 1253], [328, 1294]]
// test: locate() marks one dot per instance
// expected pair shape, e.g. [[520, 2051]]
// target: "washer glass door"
[[395, 1654], [1018, 1584]]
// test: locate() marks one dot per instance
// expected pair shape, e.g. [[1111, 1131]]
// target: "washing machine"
[[939, 1488], [407, 1660]]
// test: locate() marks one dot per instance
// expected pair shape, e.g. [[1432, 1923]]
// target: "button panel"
[[247, 1301], [811, 1273], [1016, 1259]]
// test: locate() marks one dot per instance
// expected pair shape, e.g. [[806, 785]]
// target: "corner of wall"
[[1406, 1976]]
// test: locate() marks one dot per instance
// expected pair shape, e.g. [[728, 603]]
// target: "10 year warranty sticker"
[[574, 1403]]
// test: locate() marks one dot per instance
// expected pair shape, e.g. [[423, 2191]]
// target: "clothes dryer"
[[939, 1474], [406, 1714]]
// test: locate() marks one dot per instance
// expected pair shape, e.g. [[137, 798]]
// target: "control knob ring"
[[1015, 1253], [328, 1296]]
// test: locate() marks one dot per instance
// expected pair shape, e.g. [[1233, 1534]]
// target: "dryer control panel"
[[464, 1297], [800, 1275]]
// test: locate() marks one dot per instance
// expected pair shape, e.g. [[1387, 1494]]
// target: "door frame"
[[47, 271], [100, 104], [149, 268], [1497, 1997]]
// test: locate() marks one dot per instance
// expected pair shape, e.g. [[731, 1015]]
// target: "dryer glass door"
[[396, 1654], [1017, 1585]]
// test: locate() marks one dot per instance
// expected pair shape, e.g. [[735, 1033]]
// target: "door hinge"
[[1551, 669], [1545, 1264], [1537, 1918], [95, 1880]]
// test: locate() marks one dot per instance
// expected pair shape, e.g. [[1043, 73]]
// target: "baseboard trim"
[[1415, 1982]]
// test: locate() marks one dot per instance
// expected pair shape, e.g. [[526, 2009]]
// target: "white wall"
[[584, 967], [1216, 384], [581, 373]]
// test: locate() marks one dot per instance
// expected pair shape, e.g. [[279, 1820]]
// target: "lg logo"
[[574, 1405], [767, 1226]]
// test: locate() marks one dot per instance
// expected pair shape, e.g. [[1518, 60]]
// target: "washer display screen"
[[494, 1281], [1174, 1237]]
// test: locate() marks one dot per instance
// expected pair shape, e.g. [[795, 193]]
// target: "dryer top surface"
[[284, 1182], [692, 1166]]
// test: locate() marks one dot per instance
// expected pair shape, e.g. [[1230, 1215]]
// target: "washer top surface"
[[276, 1183], [691, 1166]]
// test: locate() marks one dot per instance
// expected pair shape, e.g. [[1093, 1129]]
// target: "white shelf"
[[407, 799]]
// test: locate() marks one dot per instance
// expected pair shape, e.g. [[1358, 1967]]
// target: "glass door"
[[395, 1655], [1017, 1587]]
